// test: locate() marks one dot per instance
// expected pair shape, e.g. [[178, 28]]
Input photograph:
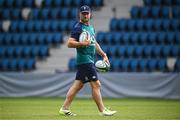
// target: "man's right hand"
[[86, 43]]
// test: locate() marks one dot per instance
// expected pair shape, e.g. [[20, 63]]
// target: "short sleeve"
[[76, 31]]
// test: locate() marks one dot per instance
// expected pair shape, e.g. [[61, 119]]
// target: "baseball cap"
[[85, 8]]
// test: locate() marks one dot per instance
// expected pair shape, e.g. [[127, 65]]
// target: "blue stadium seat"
[[162, 65], [57, 3], [131, 25], [140, 25], [16, 39], [43, 51], [49, 38], [7, 39], [72, 64], [134, 65], [161, 36], [152, 65], [24, 39], [41, 39], [44, 13], [112, 51], [157, 2], [88, 2], [125, 38], [117, 38], [27, 52], [175, 51], [30, 26], [34, 51], [134, 38], [28, 3], [125, 64], [165, 13], [22, 26], [97, 3], [38, 26], [1, 3], [138, 51], [135, 12], [167, 2], [177, 65], [166, 51], [121, 51], [147, 2], [10, 51], [157, 51], [15, 14], [4, 64], [32, 39], [130, 51], [77, 3], [6, 14], [65, 13], [53, 13], [47, 26], [48, 3], [170, 37], [30, 64], [18, 4], [145, 12], [147, 52], [123, 24], [108, 38], [142, 65], [13, 65], [155, 12], [35, 14], [2, 52], [157, 25], [67, 3], [100, 37], [115, 64], [175, 24], [114, 24], [149, 25], [9, 3], [74, 13], [57, 39], [166, 24], [21, 64], [176, 12], [152, 37], [177, 38], [176, 2], [143, 38], [18, 52], [63, 25]]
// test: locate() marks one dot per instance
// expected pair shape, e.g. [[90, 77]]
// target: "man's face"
[[85, 16]]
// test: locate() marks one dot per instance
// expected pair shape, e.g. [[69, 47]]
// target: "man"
[[86, 71]]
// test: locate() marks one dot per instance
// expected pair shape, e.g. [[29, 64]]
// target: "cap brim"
[[85, 11]]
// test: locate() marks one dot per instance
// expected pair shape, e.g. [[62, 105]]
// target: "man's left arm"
[[101, 52]]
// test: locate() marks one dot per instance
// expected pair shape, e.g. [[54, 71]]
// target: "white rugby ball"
[[84, 36], [102, 66]]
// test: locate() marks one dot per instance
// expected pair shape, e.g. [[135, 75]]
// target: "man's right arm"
[[72, 43]]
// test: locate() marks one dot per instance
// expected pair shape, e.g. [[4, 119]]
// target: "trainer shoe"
[[66, 112], [107, 112]]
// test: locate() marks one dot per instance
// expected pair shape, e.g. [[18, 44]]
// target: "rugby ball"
[[84, 36], [102, 66]]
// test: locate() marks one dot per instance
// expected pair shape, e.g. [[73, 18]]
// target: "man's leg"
[[77, 85], [96, 93]]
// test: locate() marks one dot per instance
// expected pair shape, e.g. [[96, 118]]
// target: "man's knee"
[[96, 84]]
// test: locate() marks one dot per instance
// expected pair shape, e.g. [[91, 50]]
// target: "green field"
[[128, 109]]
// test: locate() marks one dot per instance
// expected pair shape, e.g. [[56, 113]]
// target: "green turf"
[[128, 109]]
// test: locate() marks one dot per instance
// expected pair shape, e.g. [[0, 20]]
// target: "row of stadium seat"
[[40, 13], [49, 3], [54, 13], [142, 51], [139, 38], [144, 24], [135, 65], [161, 2], [20, 64], [31, 39], [41, 26], [155, 12], [24, 51]]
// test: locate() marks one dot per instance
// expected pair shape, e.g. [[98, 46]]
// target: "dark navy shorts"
[[86, 72]]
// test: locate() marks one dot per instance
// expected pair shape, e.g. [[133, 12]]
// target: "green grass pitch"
[[128, 109]]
